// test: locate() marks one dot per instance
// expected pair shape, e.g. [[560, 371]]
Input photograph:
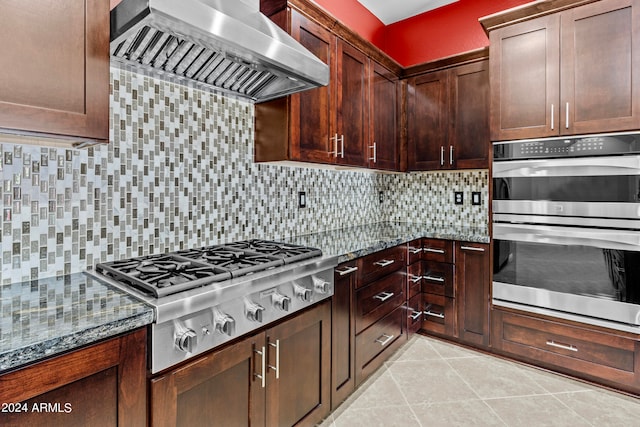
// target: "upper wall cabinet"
[[448, 118], [350, 122], [570, 72], [55, 68]]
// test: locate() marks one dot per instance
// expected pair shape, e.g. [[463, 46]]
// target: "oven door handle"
[[584, 166], [555, 235]]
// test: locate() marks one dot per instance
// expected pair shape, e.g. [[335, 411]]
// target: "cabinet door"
[[470, 142], [473, 292], [428, 119], [299, 368], [525, 81], [55, 69], [600, 71], [352, 100], [311, 110], [343, 333], [219, 389], [383, 152]]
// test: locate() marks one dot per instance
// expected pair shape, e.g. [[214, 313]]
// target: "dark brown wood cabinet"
[[260, 380], [55, 77], [473, 292], [448, 118], [601, 355], [343, 363], [383, 149], [566, 73], [103, 384]]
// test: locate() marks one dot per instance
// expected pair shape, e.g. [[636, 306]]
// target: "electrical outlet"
[[381, 196], [458, 197], [476, 198], [302, 199]]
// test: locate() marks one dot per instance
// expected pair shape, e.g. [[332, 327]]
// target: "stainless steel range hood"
[[225, 44]]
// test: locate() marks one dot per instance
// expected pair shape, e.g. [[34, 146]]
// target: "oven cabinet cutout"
[[343, 352], [104, 385], [448, 118], [380, 308], [55, 74], [596, 354], [280, 377], [566, 73]]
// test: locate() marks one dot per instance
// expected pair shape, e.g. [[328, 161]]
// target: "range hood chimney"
[[225, 44]]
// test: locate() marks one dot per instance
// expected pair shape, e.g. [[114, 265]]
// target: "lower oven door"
[[573, 270]]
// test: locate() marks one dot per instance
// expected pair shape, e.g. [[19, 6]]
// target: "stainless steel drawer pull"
[[552, 118], [442, 155], [413, 250], [342, 145], [434, 278], [334, 152], [552, 343], [451, 154], [384, 341], [416, 315], [435, 251], [277, 367], [263, 375], [346, 271], [471, 248], [375, 154], [432, 314], [384, 262], [567, 117], [414, 279], [384, 296]]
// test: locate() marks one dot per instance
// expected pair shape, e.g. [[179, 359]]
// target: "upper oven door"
[[602, 187]]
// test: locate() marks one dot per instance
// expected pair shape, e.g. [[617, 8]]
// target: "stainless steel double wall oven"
[[566, 228]]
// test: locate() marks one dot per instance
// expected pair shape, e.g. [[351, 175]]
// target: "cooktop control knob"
[[320, 286], [301, 292], [281, 302], [187, 341], [254, 311], [224, 323]]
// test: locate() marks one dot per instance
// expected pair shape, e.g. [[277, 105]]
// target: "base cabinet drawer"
[[604, 357], [438, 314], [414, 315], [378, 341], [437, 278], [378, 299], [437, 250], [379, 264], [414, 279]]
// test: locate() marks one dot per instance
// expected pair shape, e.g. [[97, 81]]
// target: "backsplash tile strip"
[[179, 173]]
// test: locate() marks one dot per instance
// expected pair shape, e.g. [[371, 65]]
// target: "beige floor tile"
[[450, 351], [555, 383], [400, 416], [491, 378], [603, 408], [383, 392], [418, 348], [463, 414], [429, 382], [535, 411]]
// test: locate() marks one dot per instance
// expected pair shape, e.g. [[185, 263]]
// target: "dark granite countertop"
[[41, 318], [355, 242]]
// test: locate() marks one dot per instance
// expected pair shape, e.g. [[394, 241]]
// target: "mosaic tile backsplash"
[[179, 173]]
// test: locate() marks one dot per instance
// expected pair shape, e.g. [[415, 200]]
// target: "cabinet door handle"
[[415, 315], [342, 145], [552, 343], [414, 279], [435, 251], [277, 367], [384, 262], [414, 251], [384, 341], [263, 375], [434, 278], [552, 118], [432, 314], [346, 271], [442, 155], [374, 147], [335, 139], [451, 155], [383, 296], [471, 248], [567, 117]]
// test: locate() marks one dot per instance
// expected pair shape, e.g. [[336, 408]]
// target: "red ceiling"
[[442, 32]]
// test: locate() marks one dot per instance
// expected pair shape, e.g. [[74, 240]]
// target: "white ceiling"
[[392, 11]]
